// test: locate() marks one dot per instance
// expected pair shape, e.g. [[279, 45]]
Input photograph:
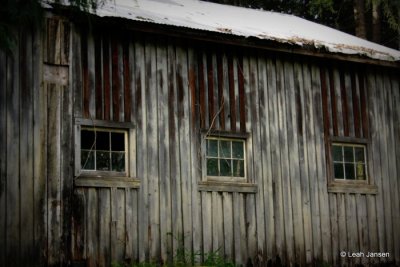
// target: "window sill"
[[120, 182], [217, 186], [355, 188]]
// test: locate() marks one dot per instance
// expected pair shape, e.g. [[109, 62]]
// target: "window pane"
[[118, 161], [349, 170], [360, 169], [225, 149], [225, 167], [348, 154], [117, 141], [238, 168], [359, 151], [87, 139], [87, 160], [102, 140], [212, 148], [338, 169], [102, 161], [237, 150], [337, 153], [212, 167]]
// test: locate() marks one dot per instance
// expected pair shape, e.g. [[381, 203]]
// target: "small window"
[[103, 150], [105, 154], [349, 161], [225, 158]]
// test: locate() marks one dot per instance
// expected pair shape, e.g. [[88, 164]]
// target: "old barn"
[[149, 127]]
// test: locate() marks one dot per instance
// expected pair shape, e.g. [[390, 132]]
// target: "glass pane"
[[348, 154], [349, 170], [338, 169], [360, 169], [212, 148], [238, 168], [87, 139], [225, 149], [337, 153], [102, 140], [237, 150], [118, 161], [212, 167], [225, 167], [117, 141], [87, 160], [103, 161], [359, 151]]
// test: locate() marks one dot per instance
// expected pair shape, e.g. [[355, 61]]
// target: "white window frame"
[[352, 145], [96, 178]]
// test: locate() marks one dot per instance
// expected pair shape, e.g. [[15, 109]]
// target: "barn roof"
[[244, 22]]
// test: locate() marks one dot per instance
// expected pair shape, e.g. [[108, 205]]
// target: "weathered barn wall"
[[172, 89]]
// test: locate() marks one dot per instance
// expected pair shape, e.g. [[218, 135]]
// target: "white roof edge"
[[244, 22]]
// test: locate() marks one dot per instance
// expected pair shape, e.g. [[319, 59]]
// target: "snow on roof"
[[244, 22]]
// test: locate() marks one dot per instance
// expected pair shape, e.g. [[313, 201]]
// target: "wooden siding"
[[172, 90]]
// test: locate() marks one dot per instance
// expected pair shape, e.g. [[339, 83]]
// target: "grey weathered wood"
[[3, 153], [91, 76], [92, 250], [104, 199], [342, 227], [227, 187], [120, 182], [227, 202], [207, 221], [334, 228]]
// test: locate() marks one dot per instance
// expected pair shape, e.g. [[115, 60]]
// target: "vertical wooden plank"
[[342, 226], [217, 222], [92, 211], [98, 75], [351, 225], [236, 90], [151, 93], [334, 229], [26, 149], [121, 226], [294, 124], [202, 90], [54, 172], [242, 99], [91, 76], [3, 153], [232, 85], [222, 98], [106, 78], [164, 160], [371, 90], [237, 228], [115, 78], [227, 96], [356, 109], [373, 242], [332, 87], [195, 145], [277, 246], [141, 145], [250, 90], [176, 194], [362, 226], [321, 169], [228, 231], [266, 159], [284, 161], [304, 161], [184, 141], [129, 225], [363, 102], [104, 227], [127, 96], [312, 168], [85, 75], [210, 82], [337, 94], [79, 233], [349, 99], [206, 205], [345, 113]]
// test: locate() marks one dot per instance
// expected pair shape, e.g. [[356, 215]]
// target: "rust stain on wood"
[[356, 110], [127, 81], [115, 80], [231, 93], [202, 91], [220, 91], [85, 76], [345, 112], [98, 85], [106, 78], [333, 102], [242, 100], [210, 77]]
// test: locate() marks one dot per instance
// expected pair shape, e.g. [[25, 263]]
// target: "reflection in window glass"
[[225, 157], [103, 150], [349, 161]]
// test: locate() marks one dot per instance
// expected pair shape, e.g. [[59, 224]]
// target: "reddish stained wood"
[[324, 101], [356, 110], [98, 85], [85, 76], [333, 102], [210, 76], [242, 99], [127, 81], [231, 92], [344, 105], [220, 91], [115, 80], [106, 78], [201, 89], [363, 103]]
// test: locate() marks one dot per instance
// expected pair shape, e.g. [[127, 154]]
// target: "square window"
[[349, 161], [103, 150], [225, 158]]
